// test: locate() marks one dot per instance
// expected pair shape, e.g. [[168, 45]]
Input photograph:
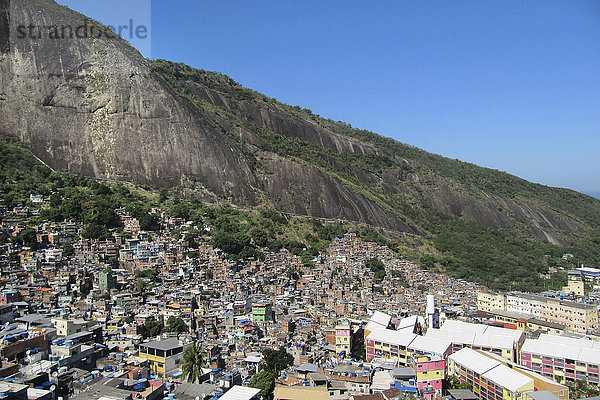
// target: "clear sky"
[[511, 85]]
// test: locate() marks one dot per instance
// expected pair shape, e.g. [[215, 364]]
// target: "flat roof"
[[240, 393], [165, 345]]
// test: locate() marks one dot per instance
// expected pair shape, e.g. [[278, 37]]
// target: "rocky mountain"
[[95, 106]]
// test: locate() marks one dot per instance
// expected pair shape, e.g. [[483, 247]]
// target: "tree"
[[453, 382], [192, 363], [28, 237], [378, 268], [276, 361], [359, 350], [151, 328], [176, 324], [265, 381]]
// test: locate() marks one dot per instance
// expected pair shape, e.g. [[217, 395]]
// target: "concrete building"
[[524, 303], [430, 373], [343, 339], [491, 379], [503, 342], [575, 284], [107, 280], [262, 311], [563, 358], [489, 301], [163, 355], [577, 317], [400, 346]]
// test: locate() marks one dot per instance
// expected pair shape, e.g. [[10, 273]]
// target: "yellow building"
[[489, 301], [163, 356], [575, 284], [576, 317], [490, 378]]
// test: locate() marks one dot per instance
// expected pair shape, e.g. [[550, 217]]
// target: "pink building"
[[431, 371]]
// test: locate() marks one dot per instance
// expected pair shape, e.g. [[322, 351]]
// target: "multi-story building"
[[575, 284], [430, 372], [107, 280], [400, 346], [343, 339], [163, 355], [523, 303], [489, 301], [562, 358], [262, 311], [491, 379], [503, 342], [578, 317]]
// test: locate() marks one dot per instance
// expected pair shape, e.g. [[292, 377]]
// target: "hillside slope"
[[96, 107]]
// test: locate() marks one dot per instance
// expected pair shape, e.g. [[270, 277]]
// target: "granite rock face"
[[95, 106]]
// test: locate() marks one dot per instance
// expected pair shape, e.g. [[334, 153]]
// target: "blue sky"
[[511, 85]]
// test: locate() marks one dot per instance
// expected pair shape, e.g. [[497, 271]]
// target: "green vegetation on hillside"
[[500, 258]]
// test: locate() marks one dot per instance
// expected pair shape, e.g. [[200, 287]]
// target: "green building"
[[107, 280], [262, 311]]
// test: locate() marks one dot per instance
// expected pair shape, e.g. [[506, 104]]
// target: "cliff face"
[[93, 106], [97, 107]]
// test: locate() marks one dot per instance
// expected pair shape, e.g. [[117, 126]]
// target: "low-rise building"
[[163, 355]]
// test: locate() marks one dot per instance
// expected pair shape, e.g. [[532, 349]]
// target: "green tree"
[[151, 328], [265, 381], [175, 324], [377, 267], [28, 237], [192, 363], [359, 350], [276, 361]]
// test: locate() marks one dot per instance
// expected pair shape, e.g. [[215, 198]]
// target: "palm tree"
[[192, 363]]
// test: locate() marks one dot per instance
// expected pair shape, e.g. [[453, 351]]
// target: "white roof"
[[430, 345], [589, 270], [591, 356], [558, 350], [454, 337], [381, 318], [579, 342], [382, 380], [514, 334], [410, 321], [373, 326], [459, 326], [473, 360], [493, 341], [507, 377], [240, 393], [486, 339], [392, 337]]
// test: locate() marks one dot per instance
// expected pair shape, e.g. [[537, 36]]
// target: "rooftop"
[[168, 344]]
